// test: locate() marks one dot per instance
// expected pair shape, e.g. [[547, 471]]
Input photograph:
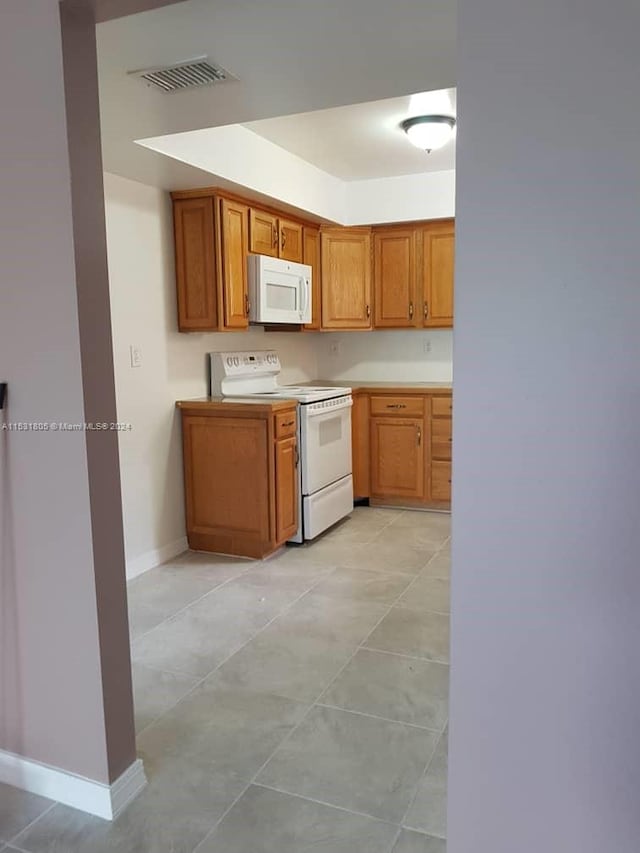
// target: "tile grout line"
[[29, 825], [215, 588], [423, 776], [287, 737], [235, 651], [323, 803], [332, 568], [319, 704]]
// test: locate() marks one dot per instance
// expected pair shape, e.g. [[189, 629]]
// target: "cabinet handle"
[[283, 241], [275, 237], [247, 304], [419, 436], [411, 310], [426, 309], [396, 406], [297, 456], [368, 311], [287, 423]]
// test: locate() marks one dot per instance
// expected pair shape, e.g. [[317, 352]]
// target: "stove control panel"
[[247, 363], [246, 372]]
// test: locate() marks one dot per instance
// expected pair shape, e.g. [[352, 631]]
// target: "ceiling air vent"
[[184, 75]]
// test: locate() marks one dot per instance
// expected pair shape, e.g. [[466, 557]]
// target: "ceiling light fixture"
[[429, 132]]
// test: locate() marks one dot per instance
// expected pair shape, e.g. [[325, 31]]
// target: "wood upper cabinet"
[[234, 231], [346, 278], [394, 276], [194, 227], [263, 233], [272, 235], [438, 254], [290, 240], [286, 488], [398, 458], [311, 256]]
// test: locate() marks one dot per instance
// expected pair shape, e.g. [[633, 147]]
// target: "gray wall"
[[65, 698], [545, 739]]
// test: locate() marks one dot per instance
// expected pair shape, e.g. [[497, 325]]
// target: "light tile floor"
[[287, 706]]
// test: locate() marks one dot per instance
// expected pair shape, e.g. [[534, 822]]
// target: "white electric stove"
[[324, 433]]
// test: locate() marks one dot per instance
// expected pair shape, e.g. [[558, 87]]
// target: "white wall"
[[406, 356], [239, 155], [143, 306], [545, 687]]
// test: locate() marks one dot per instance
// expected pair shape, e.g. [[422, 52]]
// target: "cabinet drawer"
[[441, 438], [400, 406], [442, 407], [441, 481], [285, 424]]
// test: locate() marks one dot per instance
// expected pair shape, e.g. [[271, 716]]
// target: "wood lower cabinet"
[[401, 447], [346, 278], [241, 479], [360, 444], [287, 488], [441, 445], [397, 458]]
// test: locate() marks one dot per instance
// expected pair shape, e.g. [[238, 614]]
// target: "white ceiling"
[[363, 140], [289, 58]]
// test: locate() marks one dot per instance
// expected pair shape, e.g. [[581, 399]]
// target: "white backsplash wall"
[[390, 356], [174, 367]]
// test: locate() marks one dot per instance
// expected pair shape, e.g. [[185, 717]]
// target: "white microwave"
[[279, 291]]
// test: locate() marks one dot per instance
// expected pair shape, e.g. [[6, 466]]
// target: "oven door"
[[326, 444]]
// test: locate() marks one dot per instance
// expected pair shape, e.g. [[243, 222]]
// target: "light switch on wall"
[[135, 352], [334, 347], [426, 346]]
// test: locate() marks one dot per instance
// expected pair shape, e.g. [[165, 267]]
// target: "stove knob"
[[236, 361], [229, 361]]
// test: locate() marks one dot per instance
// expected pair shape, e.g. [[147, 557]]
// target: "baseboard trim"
[[96, 798], [151, 559]]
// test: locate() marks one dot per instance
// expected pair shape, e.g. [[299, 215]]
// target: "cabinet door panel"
[[195, 264], [394, 278], [311, 256], [235, 247], [441, 481], [360, 445], [346, 279], [290, 241], [438, 255], [286, 488], [263, 233], [441, 438], [226, 477], [397, 458]]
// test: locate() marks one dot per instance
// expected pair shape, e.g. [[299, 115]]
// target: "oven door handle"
[[327, 413]]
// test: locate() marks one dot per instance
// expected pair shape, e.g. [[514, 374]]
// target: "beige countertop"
[[229, 404]]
